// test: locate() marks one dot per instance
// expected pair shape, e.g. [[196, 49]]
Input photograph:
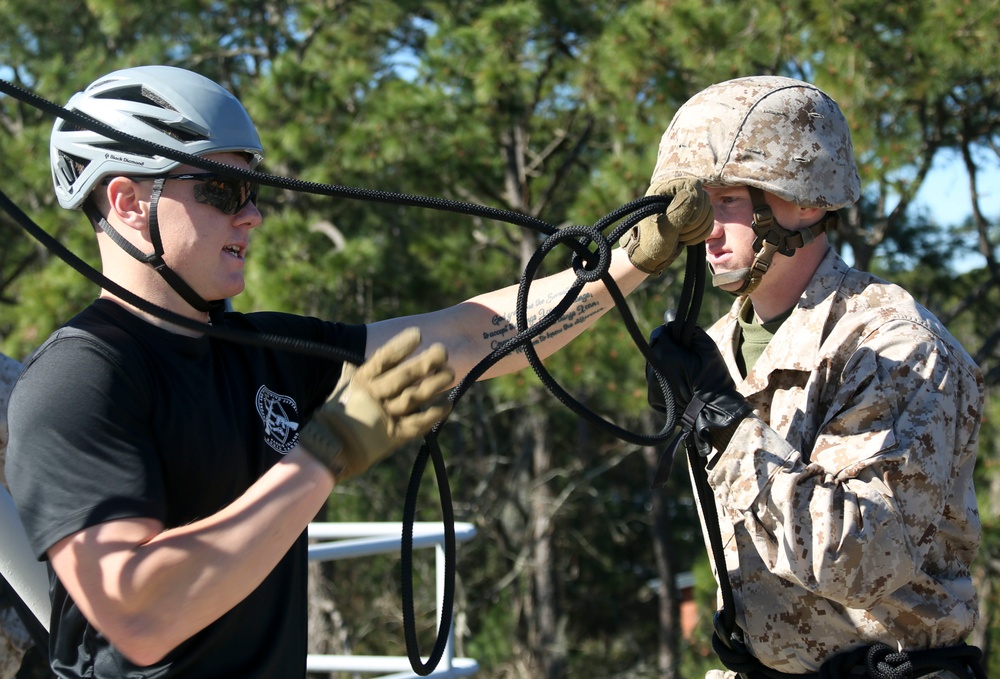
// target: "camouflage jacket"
[[846, 503]]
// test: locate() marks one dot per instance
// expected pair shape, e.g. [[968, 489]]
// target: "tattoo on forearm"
[[504, 327]]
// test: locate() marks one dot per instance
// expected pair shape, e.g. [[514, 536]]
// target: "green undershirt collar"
[[755, 336]]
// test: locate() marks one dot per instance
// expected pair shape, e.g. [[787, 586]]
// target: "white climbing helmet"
[[170, 106]]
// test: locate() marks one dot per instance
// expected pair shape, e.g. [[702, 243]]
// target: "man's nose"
[[717, 230]]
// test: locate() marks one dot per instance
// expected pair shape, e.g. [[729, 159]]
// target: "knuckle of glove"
[[693, 218], [417, 424], [427, 365], [409, 400], [689, 216], [672, 186]]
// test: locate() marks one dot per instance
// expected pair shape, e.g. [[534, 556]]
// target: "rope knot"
[[884, 662], [734, 655]]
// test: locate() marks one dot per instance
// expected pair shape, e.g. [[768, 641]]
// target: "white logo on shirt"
[[275, 410]]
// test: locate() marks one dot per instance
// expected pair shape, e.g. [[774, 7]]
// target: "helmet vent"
[[69, 126], [175, 131], [95, 85], [70, 167], [137, 93]]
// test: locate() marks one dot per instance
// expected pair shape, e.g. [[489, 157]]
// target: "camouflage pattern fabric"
[[779, 134], [846, 503]]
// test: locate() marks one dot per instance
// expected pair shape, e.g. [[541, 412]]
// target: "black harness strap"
[[876, 661]]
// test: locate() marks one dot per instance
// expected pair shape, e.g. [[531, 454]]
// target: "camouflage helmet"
[[779, 134]]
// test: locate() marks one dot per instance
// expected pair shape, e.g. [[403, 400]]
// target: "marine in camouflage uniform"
[[845, 498]]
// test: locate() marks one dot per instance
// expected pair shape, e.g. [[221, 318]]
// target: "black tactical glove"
[[705, 395]]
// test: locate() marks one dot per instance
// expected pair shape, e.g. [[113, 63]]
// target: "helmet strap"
[[771, 238], [154, 259]]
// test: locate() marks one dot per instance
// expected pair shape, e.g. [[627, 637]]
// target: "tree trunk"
[[547, 638], [668, 636]]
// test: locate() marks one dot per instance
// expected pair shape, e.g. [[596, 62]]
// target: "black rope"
[[874, 661], [354, 193], [589, 266]]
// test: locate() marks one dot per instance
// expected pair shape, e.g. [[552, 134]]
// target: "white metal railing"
[[349, 540], [26, 575]]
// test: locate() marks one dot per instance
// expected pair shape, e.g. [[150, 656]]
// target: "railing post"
[[439, 570], [350, 540]]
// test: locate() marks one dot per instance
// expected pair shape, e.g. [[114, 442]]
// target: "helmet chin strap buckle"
[[771, 238], [784, 241]]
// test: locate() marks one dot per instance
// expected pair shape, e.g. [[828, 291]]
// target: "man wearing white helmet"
[[167, 476], [835, 418]]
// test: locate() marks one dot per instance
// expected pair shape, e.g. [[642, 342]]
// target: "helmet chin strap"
[[215, 308], [730, 277], [771, 238]]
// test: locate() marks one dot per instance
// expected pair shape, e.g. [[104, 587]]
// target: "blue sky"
[[946, 190], [945, 194]]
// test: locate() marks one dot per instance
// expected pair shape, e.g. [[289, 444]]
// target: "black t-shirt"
[[116, 418]]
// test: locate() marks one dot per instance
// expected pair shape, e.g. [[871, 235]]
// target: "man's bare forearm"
[[474, 328]]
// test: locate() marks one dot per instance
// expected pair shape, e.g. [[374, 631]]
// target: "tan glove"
[[376, 407], [655, 242]]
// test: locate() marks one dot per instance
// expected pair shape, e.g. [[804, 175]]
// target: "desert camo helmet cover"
[[772, 133]]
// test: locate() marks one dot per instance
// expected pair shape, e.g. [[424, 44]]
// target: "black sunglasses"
[[228, 194]]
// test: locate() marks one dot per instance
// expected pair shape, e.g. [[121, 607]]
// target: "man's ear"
[[809, 216], [127, 202]]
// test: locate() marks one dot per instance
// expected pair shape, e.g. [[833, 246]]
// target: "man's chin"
[[232, 290]]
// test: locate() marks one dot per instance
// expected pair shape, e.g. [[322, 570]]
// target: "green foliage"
[[491, 645]]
